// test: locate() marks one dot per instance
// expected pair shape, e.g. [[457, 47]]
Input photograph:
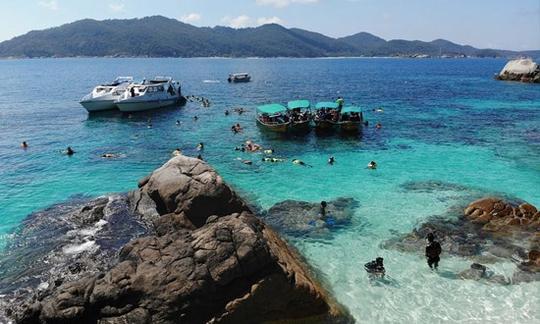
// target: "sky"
[[502, 24]]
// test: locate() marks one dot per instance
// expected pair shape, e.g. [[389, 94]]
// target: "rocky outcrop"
[[210, 261], [524, 70], [497, 215], [489, 230]]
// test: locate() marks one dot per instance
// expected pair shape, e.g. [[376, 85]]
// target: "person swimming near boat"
[[366, 123], [200, 146], [227, 113], [176, 152], [300, 162], [378, 126], [239, 110], [433, 252], [177, 122], [111, 155], [331, 160], [252, 147], [372, 165], [240, 148], [272, 159], [269, 151], [69, 151], [378, 110], [24, 145], [376, 267]]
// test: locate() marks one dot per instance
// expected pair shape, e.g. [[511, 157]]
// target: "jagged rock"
[[524, 70], [478, 271], [210, 261], [300, 218]]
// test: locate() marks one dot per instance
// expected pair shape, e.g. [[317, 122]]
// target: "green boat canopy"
[[351, 109], [271, 109], [331, 105], [302, 104]]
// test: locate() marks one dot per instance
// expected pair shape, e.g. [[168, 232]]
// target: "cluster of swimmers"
[[202, 100], [433, 251], [236, 128]]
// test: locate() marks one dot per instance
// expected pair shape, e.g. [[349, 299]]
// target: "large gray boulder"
[[210, 261]]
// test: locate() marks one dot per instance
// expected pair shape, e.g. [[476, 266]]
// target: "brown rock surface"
[[211, 261]]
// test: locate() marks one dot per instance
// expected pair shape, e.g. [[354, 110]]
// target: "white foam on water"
[[211, 81], [79, 248]]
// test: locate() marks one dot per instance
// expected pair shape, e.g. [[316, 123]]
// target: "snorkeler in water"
[[376, 268], [69, 151], [372, 165], [24, 145], [200, 146], [331, 160], [300, 162]]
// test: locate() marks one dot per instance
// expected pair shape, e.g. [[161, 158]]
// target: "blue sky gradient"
[[503, 24]]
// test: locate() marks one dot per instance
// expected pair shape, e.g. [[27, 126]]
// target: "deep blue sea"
[[444, 121]]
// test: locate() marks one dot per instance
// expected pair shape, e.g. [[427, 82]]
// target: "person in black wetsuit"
[[375, 267], [322, 210], [433, 251]]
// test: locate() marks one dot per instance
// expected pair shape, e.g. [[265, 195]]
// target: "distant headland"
[[158, 36]]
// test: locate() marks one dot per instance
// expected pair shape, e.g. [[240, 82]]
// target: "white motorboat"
[[239, 77], [156, 93], [103, 96]]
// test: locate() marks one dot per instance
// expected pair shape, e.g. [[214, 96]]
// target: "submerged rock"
[[478, 272], [210, 261], [488, 230], [63, 242], [301, 218], [524, 70]]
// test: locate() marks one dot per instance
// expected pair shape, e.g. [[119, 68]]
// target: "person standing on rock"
[[433, 252]]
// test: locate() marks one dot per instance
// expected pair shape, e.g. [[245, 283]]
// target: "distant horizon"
[[495, 24], [288, 27]]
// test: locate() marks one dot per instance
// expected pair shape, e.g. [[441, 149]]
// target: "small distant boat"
[[156, 93], [351, 118], [300, 114], [273, 117], [326, 115], [239, 77], [103, 96]]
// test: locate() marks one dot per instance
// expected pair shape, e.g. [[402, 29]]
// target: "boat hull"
[[300, 127], [98, 105], [324, 124], [143, 105], [350, 126], [279, 128]]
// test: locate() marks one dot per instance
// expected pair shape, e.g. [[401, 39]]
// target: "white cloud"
[[282, 3], [116, 7], [52, 4], [241, 21], [269, 20], [190, 18], [244, 21]]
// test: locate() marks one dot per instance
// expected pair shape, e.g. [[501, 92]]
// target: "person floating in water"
[[200, 157], [433, 252], [226, 113], [269, 151], [372, 165], [200, 146], [378, 126], [24, 145], [177, 122], [195, 118], [69, 151], [300, 162], [272, 159], [331, 160], [376, 267]]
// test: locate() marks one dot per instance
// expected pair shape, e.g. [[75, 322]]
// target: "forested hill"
[[158, 36]]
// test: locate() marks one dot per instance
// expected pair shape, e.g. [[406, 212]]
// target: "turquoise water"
[[443, 120]]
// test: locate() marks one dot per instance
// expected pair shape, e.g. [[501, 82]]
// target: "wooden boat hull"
[[279, 128], [350, 126], [324, 124], [301, 126]]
